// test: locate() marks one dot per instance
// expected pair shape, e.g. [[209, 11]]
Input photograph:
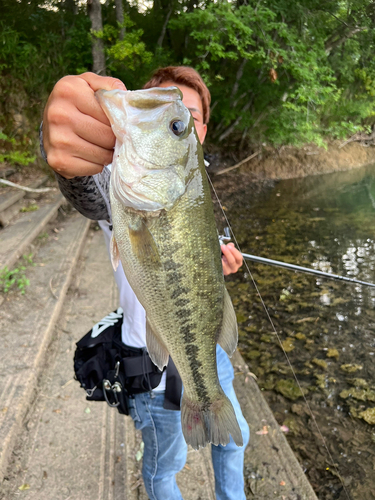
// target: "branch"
[[24, 188], [359, 138], [337, 18], [331, 44], [237, 164]]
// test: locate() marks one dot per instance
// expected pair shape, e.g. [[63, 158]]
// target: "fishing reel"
[[226, 237]]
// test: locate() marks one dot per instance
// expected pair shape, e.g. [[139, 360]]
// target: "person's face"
[[193, 102]]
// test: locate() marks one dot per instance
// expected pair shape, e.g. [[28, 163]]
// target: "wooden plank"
[[26, 326], [15, 238], [277, 472]]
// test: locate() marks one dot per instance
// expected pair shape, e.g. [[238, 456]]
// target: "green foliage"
[[270, 72], [130, 51], [15, 278], [279, 72], [30, 208], [11, 151]]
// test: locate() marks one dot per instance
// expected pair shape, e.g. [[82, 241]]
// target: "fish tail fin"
[[213, 423]]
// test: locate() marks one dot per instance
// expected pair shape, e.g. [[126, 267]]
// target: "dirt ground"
[[288, 161]]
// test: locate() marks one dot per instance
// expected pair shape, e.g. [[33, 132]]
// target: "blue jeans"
[[165, 448]]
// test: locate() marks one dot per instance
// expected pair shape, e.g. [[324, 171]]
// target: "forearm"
[[84, 194]]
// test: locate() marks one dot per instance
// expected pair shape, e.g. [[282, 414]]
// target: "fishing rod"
[[293, 267]]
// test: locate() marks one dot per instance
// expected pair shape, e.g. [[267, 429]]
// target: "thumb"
[[97, 82]]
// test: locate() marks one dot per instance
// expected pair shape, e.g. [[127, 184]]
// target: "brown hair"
[[185, 76]]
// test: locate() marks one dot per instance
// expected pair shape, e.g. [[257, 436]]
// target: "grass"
[[16, 278], [30, 208]]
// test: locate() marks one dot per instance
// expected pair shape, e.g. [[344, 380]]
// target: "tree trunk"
[[164, 29], [120, 16], [71, 6], [230, 129], [95, 13], [238, 78]]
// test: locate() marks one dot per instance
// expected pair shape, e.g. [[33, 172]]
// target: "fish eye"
[[178, 127]]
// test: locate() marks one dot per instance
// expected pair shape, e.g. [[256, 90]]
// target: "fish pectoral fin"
[[115, 254], [228, 336], [143, 243], [158, 352]]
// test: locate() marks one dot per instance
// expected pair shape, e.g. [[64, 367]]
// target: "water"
[[327, 328]]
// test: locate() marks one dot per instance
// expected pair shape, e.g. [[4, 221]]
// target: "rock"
[[351, 368], [368, 415], [360, 394], [289, 389], [333, 353], [320, 362], [288, 344]]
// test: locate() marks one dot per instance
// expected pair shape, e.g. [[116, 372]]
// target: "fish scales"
[[187, 288], [164, 232]]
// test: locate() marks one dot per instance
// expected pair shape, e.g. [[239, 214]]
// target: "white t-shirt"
[[134, 325]]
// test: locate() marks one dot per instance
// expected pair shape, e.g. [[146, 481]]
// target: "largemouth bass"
[[164, 233]]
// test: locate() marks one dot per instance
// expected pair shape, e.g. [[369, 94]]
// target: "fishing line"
[[281, 345]]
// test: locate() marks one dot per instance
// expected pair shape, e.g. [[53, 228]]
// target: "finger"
[[62, 156], [226, 269], [229, 257], [78, 92], [96, 82], [91, 130], [60, 120], [238, 256], [81, 168], [235, 253]]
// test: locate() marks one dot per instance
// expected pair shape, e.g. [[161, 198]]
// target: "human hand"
[[77, 135], [231, 259]]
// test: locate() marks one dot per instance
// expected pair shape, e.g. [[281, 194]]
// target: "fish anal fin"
[[143, 243], [115, 254], [228, 336], [156, 349], [202, 424]]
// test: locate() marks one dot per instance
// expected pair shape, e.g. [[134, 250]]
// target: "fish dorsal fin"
[[228, 337], [143, 243], [113, 250], [158, 352]]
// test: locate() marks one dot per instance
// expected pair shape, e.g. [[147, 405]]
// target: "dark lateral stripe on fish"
[[172, 277], [171, 265], [184, 313], [182, 302], [192, 353], [179, 291]]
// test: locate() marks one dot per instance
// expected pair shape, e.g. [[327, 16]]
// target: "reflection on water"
[[327, 328]]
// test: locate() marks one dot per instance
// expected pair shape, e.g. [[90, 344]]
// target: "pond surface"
[[325, 327]]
